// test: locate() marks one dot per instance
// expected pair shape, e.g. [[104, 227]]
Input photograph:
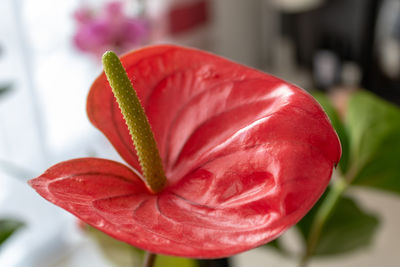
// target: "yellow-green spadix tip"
[[136, 120]]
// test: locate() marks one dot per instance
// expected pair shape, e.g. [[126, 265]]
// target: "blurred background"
[[50, 53]]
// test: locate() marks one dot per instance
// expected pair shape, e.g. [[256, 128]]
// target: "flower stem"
[[322, 216], [137, 122], [149, 259]]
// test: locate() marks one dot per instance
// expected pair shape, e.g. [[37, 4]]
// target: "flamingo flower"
[[245, 155]]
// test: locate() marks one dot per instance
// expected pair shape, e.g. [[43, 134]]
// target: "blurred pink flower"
[[109, 29]]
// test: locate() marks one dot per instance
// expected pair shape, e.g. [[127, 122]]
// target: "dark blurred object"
[[347, 30], [214, 263], [342, 26], [383, 74]]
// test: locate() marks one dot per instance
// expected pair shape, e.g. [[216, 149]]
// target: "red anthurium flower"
[[246, 155]]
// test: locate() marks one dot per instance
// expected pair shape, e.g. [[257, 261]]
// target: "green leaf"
[[339, 126], [374, 130], [348, 228], [7, 228]]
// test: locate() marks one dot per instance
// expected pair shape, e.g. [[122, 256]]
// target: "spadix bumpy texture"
[[137, 122], [246, 156]]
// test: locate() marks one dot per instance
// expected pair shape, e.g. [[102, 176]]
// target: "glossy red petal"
[[165, 78], [108, 196], [246, 156]]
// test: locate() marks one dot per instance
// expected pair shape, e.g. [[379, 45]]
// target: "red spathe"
[[246, 156]]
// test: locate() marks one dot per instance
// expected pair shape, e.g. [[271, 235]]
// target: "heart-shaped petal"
[[246, 156]]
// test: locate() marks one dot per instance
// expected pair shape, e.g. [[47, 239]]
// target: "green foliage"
[[370, 137], [374, 127], [348, 228], [7, 228]]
